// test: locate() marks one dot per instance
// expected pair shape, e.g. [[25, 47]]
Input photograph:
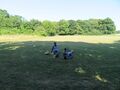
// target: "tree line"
[[15, 24]]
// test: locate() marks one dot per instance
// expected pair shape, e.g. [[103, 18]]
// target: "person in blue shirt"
[[67, 54], [55, 50]]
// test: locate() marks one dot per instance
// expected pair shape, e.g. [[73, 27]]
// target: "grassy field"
[[24, 66]]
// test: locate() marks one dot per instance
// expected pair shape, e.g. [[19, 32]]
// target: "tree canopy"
[[10, 24]]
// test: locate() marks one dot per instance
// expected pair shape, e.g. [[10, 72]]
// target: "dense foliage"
[[18, 25]]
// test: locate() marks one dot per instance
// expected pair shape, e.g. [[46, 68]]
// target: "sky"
[[56, 10]]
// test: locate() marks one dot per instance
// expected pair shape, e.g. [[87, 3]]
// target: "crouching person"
[[67, 54], [55, 50]]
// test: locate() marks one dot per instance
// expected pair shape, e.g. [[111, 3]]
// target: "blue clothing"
[[68, 55], [55, 50]]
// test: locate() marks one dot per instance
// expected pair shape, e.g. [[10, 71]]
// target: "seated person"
[[55, 50], [67, 54]]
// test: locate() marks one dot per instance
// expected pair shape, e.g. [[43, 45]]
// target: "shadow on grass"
[[24, 66]]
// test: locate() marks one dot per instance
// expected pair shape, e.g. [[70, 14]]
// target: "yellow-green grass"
[[24, 65], [82, 38]]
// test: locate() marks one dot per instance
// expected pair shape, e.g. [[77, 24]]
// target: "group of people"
[[67, 54]]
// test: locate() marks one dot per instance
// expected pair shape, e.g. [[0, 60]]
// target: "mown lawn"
[[95, 66]]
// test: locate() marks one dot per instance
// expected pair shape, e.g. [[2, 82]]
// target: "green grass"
[[24, 66]]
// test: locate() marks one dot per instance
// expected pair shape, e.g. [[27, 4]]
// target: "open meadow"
[[24, 66]]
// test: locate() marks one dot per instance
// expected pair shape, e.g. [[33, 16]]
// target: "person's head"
[[65, 49], [55, 43]]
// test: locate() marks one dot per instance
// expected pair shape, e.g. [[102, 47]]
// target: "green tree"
[[107, 26], [50, 27], [4, 15], [33, 24], [63, 27]]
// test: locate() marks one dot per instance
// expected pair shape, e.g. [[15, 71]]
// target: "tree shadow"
[[23, 65]]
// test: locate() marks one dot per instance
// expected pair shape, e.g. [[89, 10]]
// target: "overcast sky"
[[55, 10]]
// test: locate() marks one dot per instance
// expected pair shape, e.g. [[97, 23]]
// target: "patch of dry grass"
[[82, 38]]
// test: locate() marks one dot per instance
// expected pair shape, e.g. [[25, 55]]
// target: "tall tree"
[[63, 27], [49, 27]]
